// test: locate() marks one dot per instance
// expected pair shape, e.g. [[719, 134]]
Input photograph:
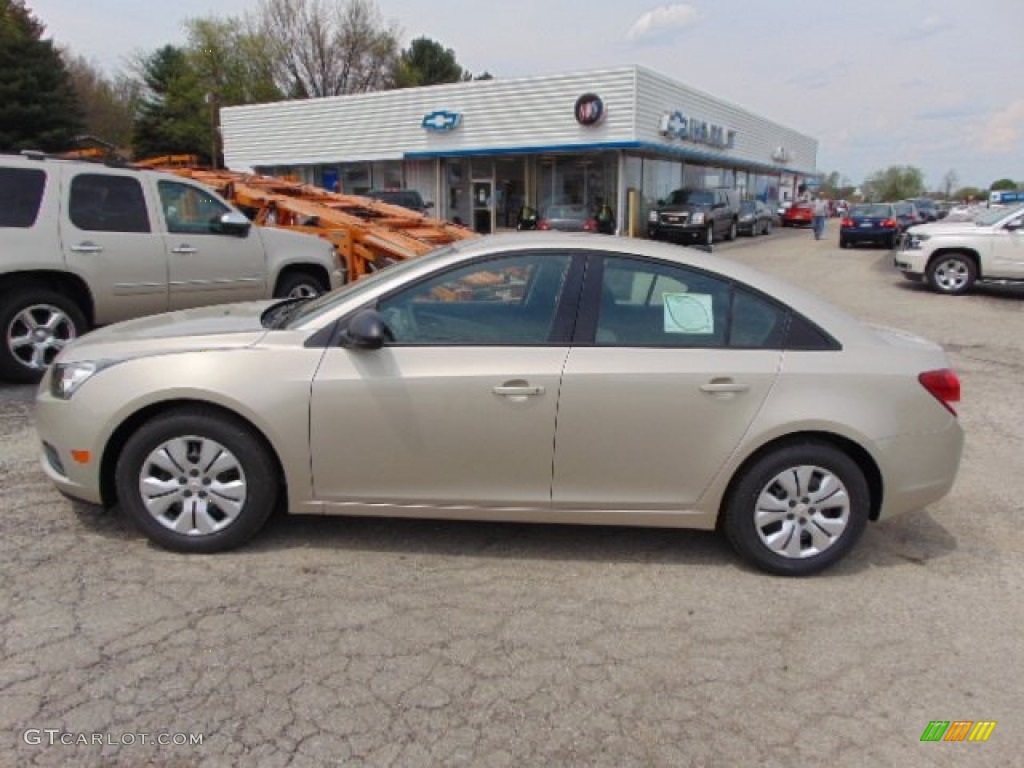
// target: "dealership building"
[[480, 151]]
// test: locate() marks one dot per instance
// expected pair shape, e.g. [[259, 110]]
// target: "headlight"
[[914, 241], [697, 218], [66, 378], [746, 217], [652, 217]]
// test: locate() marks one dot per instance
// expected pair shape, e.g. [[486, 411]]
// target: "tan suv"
[[84, 244]]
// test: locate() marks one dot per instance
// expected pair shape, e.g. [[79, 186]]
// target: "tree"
[[39, 109], [894, 183], [1007, 184], [175, 116], [108, 106], [323, 49], [426, 62], [232, 61], [970, 193]]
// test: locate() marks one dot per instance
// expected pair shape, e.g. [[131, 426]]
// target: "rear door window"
[[105, 203], [21, 193]]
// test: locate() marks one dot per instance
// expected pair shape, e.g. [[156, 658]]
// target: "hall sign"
[[676, 125]]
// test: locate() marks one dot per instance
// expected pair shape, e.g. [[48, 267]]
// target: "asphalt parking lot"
[[358, 642]]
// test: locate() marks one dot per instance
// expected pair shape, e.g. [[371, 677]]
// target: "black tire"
[[243, 459], [27, 309], [297, 285], [731, 232], [844, 243], [709, 235], [952, 274], [805, 509]]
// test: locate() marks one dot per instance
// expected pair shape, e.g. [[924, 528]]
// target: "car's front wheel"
[[952, 273], [731, 234], [797, 509], [37, 324], [709, 235], [299, 285], [197, 480]]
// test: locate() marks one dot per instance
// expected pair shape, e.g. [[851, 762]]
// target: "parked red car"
[[798, 215]]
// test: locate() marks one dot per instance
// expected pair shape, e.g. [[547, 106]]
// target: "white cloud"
[[663, 21], [1002, 132]]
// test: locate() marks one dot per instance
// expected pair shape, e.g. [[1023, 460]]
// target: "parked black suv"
[[695, 215]]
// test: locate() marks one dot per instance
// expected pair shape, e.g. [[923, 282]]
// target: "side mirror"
[[366, 330], [427, 205], [660, 203], [234, 223]]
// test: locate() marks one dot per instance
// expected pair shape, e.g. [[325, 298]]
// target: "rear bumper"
[[919, 469]]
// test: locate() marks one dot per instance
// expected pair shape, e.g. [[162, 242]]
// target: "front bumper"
[[70, 450], [912, 262]]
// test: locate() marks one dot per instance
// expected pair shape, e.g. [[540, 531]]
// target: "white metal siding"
[[756, 137], [497, 115]]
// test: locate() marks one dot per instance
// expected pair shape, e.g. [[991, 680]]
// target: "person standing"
[[820, 214]]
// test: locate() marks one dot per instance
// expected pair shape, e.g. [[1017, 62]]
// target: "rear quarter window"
[[21, 193]]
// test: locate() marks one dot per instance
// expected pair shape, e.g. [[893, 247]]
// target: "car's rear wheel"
[[196, 481], [952, 274], [843, 242], [37, 324], [797, 509]]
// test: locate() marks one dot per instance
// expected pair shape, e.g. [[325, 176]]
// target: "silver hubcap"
[[193, 486], [38, 333], [951, 274], [802, 512], [303, 291]]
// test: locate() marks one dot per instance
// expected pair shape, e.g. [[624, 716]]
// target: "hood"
[[685, 207], [947, 228], [205, 328]]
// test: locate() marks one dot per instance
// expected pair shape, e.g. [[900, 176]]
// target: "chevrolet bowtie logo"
[[441, 121]]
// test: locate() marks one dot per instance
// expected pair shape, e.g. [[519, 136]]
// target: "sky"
[[933, 84]]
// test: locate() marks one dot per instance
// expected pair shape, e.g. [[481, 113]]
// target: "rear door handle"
[[518, 391], [86, 247], [184, 249], [724, 387]]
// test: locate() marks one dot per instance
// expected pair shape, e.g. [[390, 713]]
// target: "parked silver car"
[[540, 377]]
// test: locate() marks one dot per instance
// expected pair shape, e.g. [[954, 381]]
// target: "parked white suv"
[[85, 244], [952, 256]]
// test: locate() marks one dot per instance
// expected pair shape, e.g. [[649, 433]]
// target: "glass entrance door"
[[483, 206]]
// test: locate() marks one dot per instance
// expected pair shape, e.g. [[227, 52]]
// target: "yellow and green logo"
[[958, 730]]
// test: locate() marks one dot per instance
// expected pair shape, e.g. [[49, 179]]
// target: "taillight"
[[943, 385], [847, 223], [889, 224], [590, 225], [544, 224]]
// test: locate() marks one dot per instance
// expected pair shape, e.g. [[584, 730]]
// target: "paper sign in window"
[[688, 313]]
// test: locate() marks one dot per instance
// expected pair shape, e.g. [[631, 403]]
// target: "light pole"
[[211, 99]]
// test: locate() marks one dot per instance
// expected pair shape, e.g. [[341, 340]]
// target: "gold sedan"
[[529, 377]]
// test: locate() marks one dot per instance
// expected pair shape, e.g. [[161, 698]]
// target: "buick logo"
[[589, 109]]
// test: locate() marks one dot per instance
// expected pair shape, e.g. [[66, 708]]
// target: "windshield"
[[747, 206], [989, 218], [691, 197], [328, 301]]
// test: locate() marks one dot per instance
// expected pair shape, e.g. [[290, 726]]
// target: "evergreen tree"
[[38, 108], [427, 62], [175, 117]]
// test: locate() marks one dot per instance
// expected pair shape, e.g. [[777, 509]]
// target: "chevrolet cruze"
[[530, 377]]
